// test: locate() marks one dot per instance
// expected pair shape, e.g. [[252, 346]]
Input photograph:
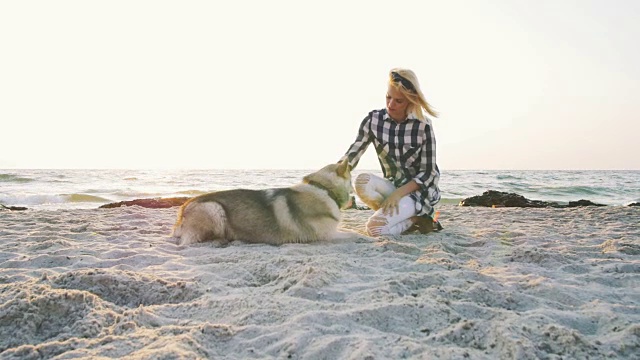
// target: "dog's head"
[[336, 179]]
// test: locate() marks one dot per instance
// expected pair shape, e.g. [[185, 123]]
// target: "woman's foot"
[[424, 224]]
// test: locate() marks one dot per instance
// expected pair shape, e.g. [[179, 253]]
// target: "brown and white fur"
[[303, 213]]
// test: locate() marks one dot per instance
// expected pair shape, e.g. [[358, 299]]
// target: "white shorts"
[[372, 190]]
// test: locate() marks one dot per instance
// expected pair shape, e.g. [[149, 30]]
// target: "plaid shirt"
[[406, 152]]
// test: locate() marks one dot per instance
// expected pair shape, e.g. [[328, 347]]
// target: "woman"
[[406, 146]]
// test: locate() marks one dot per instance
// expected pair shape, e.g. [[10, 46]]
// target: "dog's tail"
[[177, 227]]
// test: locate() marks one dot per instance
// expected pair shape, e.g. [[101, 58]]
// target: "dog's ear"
[[343, 168]]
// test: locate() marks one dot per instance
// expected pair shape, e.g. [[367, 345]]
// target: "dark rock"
[[157, 203], [634, 204], [493, 198], [12, 208], [583, 203]]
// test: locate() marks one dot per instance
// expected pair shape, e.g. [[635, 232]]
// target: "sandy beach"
[[505, 283]]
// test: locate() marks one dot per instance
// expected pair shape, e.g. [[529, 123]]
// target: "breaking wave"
[[14, 178]]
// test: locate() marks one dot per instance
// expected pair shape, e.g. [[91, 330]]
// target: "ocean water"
[[73, 189]]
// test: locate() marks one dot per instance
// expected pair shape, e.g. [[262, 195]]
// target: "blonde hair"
[[417, 102]]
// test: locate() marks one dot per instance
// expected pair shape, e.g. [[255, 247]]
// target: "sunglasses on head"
[[399, 79]]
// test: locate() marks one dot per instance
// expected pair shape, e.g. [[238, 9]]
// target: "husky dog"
[[303, 213]]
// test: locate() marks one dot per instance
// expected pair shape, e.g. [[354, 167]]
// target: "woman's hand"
[[390, 205]]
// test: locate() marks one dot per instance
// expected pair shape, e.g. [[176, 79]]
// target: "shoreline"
[[490, 198]]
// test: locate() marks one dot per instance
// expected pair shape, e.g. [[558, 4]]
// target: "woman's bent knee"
[[361, 182], [367, 192]]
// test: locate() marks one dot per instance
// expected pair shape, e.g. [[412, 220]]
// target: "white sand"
[[495, 284]]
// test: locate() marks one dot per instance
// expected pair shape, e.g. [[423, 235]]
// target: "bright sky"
[[519, 84]]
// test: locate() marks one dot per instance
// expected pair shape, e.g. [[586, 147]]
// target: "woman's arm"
[[359, 146], [428, 171]]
